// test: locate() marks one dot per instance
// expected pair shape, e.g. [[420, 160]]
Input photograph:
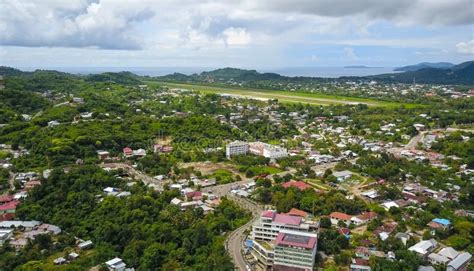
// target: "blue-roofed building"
[[440, 223], [248, 243]]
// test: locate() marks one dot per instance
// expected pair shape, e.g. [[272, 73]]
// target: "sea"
[[327, 72]]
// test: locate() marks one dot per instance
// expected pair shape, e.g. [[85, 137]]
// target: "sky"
[[246, 34]]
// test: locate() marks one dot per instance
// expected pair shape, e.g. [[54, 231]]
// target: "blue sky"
[[247, 34]]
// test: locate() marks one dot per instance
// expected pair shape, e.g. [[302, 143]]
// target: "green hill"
[[462, 74]]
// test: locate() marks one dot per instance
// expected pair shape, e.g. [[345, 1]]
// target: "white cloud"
[[350, 54], [236, 36], [466, 47], [113, 24], [77, 23]]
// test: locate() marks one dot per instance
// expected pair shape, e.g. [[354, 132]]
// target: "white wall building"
[[267, 150], [283, 241], [236, 148], [295, 249], [271, 223]]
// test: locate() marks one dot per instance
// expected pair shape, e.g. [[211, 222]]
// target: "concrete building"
[[274, 233], [295, 250], [267, 150], [342, 175], [271, 223], [236, 148], [116, 264]]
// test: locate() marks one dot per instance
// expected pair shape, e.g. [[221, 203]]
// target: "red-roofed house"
[[363, 218], [345, 231], [337, 216], [6, 198], [194, 195], [127, 151], [298, 184], [32, 184], [6, 217], [9, 207], [288, 243], [297, 212], [362, 252]]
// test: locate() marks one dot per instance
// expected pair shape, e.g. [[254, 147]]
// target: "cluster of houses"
[[243, 191], [356, 220], [128, 152], [74, 254], [9, 202], [18, 233], [191, 199], [445, 256]]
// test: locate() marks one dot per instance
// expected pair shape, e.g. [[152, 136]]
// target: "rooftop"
[[298, 184], [460, 260], [287, 219], [9, 205], [341, 216], [296, 239], [442, 221], [297, 212]]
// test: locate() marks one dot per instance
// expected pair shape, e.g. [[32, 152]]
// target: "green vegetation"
[[143, 229], [283, 96]]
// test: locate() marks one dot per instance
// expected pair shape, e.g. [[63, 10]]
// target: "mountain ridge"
[[424, 65]]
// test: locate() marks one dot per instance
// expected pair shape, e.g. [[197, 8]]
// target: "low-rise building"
[[342, 175], [338, 216], [440, 223], [460, 263], [5, 234], [424, 247], [116, 264]]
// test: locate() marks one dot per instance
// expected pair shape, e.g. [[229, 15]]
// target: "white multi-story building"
[[267, 150], [295, 249], [273, 235], [236, 148], [271, 223]]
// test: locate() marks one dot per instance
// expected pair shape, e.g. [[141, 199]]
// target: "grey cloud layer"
[[110, 24], [440, 12]]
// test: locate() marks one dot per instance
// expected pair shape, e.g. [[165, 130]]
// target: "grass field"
[[284, 96]]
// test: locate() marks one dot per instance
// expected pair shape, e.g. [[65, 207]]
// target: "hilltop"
[[425, 65], [462, 74]]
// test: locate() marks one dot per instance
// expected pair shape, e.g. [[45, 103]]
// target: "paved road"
[[234, 242]]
